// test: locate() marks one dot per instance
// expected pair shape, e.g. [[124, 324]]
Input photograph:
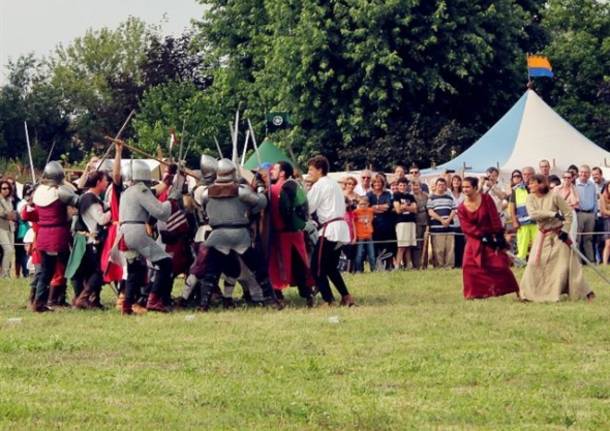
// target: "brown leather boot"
[[119, 301], [82, 302], [347, 301], [155, 303], [40, 307], [126, 307]]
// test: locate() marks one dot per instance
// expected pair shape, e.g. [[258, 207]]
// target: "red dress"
[[486, 272], [284, 246]]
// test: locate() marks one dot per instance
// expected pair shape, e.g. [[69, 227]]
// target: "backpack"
[[293, 206]]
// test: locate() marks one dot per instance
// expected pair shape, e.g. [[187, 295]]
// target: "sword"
[[118, 136], [218, 148], [27, 140], [258, 155], [587, 261], [517, 261]]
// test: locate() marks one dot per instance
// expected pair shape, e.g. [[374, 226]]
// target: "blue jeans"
[[365, 248]]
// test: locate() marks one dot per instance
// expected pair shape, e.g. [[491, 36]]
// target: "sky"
[[39, 25]]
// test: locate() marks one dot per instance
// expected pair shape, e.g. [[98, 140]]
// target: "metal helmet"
[[209, 167], [137, 170], [227, 171], [54, 173]]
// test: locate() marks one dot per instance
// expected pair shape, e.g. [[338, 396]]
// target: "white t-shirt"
[[326, 199]]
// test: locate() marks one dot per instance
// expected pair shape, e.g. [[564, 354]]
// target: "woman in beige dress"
[[553, 268]]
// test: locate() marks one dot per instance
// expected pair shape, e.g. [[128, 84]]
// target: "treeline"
[[365, 81]]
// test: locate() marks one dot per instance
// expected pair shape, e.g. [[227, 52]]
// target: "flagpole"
[[530, 83]]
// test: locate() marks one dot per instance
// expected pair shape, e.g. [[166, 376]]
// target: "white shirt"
[[360, 191], [326, 199], [93, 217]]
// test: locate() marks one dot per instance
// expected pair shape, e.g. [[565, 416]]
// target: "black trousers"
[[89, 272], [47, 269], [299, 269], [327, 269], [217, 263]]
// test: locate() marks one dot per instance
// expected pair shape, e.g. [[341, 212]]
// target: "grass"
[[413, 355]]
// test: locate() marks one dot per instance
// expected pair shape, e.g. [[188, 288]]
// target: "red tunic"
[[53, 228], [486, 272], [282, 245]]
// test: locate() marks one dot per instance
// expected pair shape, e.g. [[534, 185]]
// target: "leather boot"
[[40, 307], [82, 302], [347, 301], [155, 303], [51, 296], [95, 301], [60, 299], [126, 308]]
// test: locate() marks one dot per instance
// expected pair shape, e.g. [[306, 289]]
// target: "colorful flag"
[[538, 66]]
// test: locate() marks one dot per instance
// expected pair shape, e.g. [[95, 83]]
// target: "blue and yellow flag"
[[538, 65]]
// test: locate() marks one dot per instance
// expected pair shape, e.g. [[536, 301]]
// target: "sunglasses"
[[567, 178], [366, 178], [414, 172], [517, 176], [5, 188]]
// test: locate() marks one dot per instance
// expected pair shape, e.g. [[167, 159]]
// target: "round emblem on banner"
[[277, 120]]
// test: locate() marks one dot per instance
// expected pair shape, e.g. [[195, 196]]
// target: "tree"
[[363, 76], [579, 51]]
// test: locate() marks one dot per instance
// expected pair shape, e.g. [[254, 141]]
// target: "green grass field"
[[413, 355]]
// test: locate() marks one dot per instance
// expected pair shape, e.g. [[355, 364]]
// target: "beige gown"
[[553, 268]]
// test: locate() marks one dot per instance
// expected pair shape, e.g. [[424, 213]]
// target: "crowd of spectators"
[[401, 221]]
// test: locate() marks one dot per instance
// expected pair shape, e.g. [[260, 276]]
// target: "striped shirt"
[[441, 205]]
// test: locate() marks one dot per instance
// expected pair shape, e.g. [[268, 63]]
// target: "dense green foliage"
[[413, 355], [365, 81]]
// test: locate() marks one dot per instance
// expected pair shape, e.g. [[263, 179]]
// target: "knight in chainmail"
[[51, 200], [138, 205], [228, 206]]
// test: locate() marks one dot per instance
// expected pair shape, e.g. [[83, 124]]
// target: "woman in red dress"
[[485, 267]]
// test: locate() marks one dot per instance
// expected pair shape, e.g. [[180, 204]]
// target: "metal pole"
[[258, 155], [27, 139]]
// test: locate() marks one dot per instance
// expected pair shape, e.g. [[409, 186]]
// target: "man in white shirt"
[[327, 202], [364, 185]]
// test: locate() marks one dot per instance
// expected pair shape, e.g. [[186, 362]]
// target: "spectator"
[[459, 240], [365, 183], [21, 255], [573, 169], [380, 200], [415, 176], [399, 172], [8, 217], [351, 203], [441, 209], [492, 187], [421, 221], [363, 224], [598, 240], [567, 190], [394, 187], [604, 206], [544, 167], [555, 181], [522, 223], [587, 208], [406, 235]]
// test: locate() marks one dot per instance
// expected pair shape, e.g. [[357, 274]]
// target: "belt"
[[132, 222], [230, 226], [584, 211]]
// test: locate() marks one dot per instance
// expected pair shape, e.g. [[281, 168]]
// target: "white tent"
[[529, 132]]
